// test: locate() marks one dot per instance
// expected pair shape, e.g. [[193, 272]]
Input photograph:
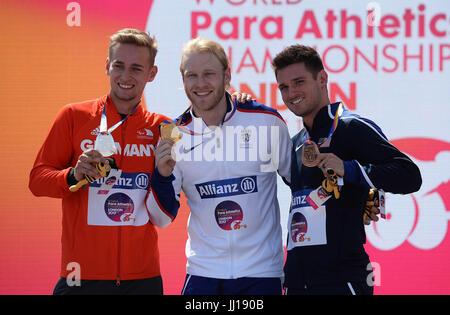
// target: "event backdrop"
[[386, 60]]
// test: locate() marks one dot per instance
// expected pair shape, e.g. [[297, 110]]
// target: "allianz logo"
[[299, 198], [299, 201], [125, 180], [227, 187]]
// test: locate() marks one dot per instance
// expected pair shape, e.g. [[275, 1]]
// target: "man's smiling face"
[[129, 68]]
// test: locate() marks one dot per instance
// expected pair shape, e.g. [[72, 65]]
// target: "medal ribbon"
[[338, 114], [104, 123], [191, 132]]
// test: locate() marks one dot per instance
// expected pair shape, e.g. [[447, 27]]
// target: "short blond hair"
[[135, 37], [202, 45]]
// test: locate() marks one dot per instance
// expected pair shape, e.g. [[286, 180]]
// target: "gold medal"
[[310, 154], [170, 131]]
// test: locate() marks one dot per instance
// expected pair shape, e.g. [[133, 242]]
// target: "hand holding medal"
[[333, 170], [91, 165], [327, 162], [331, 166], [164, 158], [103, 170]]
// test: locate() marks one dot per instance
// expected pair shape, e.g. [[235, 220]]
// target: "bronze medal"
[[310, 154]]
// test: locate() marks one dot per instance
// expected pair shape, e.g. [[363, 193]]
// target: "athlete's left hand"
[[330, 161], [372, 208], [374, 212], [242, 97]]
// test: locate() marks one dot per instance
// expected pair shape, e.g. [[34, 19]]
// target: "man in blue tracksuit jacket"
[[325, 242]]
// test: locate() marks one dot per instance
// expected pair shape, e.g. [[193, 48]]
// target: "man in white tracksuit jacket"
[[226, 163]]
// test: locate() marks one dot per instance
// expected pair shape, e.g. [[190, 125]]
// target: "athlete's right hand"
[[86, 164], [163, 157]]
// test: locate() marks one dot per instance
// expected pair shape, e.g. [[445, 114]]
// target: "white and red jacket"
[[229, 176]]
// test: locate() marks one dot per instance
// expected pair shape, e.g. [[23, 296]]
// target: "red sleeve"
[[48, 176]]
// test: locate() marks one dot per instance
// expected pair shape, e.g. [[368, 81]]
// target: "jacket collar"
[[324, 117], [188, 115], [111, 110]]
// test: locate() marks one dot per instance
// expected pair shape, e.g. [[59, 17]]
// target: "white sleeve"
[[285, 153], [280, 149]]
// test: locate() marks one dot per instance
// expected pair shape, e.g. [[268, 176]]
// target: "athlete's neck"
[[214, 116], [308, 120], [124, 107]]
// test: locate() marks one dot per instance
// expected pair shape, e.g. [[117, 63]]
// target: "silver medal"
[[105, 144]]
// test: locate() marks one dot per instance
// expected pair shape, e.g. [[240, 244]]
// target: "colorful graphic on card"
[[119, 207], [229, 216], [299, 227]]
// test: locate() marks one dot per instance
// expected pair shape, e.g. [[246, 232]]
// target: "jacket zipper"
[[119, 231], [225, 174]]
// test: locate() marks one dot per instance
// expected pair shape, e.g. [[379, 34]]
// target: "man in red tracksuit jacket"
[[107, 238]]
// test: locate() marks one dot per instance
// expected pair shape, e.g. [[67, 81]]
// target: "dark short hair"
[[298, 54]]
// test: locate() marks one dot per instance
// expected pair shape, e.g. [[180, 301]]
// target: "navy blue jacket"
[[370, 161]]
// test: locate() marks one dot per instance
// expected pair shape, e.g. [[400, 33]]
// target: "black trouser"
[[149, 286], [345, 288]]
